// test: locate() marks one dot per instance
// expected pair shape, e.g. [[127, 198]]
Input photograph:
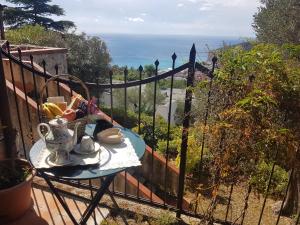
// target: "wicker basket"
[[71, 124]]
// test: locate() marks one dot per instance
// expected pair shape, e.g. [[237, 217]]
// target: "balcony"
[[142, 193]]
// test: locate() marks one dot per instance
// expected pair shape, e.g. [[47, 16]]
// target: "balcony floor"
[[46, 210]]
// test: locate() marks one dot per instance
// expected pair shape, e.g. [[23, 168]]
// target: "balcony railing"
[[159, 182]]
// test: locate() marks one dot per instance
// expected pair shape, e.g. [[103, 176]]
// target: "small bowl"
[[111, 136]]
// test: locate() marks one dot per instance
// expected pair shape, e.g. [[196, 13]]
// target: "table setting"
[[60, 147], [76, 143]]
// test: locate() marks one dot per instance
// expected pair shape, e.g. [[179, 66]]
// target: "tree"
[[254, 118], [149, 70], [88, 57], [278, 21], [147, 98], [35, 12]]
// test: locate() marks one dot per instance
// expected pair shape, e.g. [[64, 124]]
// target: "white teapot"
[[58, 137]]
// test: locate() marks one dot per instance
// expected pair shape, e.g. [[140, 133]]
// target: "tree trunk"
[[292, 201]]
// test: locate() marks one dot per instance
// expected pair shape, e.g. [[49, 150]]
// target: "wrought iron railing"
[[15, 62]]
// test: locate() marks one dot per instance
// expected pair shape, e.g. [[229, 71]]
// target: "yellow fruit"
[[55, 110], [47, 112]]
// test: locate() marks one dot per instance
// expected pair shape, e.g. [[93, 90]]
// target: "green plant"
[[253, 117], [164, 218], [193, 151], [87, 58], [11, 176], [173, 146], [128, 120], [35, 35], [260, 178], [11, 173], [166, 83], [160, 133], [281, 16]]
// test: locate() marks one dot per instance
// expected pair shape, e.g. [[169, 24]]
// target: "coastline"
[[135, 50]]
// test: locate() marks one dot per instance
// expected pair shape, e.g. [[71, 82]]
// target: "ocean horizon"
[[133, 50]]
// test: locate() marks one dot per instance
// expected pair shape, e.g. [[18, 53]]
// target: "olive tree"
[[278, 21]]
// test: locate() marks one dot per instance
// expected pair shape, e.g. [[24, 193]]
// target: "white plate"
[[78, 151]]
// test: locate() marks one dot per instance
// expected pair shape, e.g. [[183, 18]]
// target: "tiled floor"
[[47, 210]]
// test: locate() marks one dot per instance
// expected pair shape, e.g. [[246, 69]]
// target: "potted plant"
[[15, 185], [15, 174]]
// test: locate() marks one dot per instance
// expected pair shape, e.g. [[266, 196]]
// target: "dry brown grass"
[[236, 206]]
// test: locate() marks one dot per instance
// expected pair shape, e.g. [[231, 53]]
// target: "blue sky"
[[192, 17]]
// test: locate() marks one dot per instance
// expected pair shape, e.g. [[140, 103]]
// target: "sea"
[[133, 50]]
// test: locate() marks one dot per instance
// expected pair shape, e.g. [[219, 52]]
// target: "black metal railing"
[[16, 65]]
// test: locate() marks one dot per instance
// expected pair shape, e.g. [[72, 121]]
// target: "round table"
[[84, 173]]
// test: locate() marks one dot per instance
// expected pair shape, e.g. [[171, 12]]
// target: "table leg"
[[62, 202], [104, 187], [91, 207], [116, 205]]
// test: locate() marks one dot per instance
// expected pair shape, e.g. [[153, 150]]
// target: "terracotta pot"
[[16, 200]]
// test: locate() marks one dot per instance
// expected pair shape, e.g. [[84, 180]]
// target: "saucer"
[[78, 151], [51, 163]]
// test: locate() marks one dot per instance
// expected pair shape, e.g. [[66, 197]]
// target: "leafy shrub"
[[162, 146], [129, 121], [194, 151], [147, 130], [253, 113], [260, 179], [87, 58], [35, 35], [177, 83], [164, 218]]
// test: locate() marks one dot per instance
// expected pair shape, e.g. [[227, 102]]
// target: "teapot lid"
[[58, 122]]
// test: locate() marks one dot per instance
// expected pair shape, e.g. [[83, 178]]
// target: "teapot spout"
[[75, 133]]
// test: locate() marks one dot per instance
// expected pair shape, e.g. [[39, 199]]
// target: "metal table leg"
[[101, 191], [91, 207], [62, 202]]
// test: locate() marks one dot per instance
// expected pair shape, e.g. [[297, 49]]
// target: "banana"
[[55, 110], [47, 112]]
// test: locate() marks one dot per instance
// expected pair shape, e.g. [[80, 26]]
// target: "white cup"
[[87, 144]]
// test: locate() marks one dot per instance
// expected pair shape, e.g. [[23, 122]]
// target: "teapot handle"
[[39, 130]]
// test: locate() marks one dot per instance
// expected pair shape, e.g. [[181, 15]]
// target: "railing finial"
[[174, 56], [140, 68], [125, 70], [214, 59], [193, 53]]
